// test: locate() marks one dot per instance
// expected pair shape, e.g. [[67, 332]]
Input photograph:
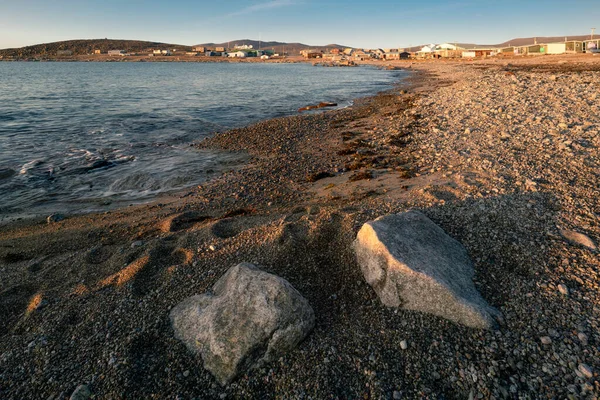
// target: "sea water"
[[80, 137]]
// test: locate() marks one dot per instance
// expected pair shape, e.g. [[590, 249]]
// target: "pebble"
[[403, 345], [186, 373], [562, 288], [397, 395], [586, 370], [582, 338], [546, 340], [82, 392], [137, 243]]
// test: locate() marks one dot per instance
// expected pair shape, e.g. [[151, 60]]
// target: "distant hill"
[[87, 46], [541, 40], [279, 47]]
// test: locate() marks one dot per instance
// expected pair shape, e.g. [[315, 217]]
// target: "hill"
[[87, 46], [542, 39], [279, 47]]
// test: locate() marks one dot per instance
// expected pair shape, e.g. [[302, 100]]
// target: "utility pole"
[[593, 30]]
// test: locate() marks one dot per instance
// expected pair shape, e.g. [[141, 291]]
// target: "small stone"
[[403, 345], [82, 392], [586, 370], [546, 340], [212, 248], [186, 373], [562, 125], [582, 338], [397, 395], [562, 288], [467, 131], [137, 243], [578, 238]]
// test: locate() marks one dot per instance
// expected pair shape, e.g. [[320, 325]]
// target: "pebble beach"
[[503, 155]]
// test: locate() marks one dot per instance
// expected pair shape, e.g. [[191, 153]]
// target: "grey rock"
[[82, 392], [578, 238], [250, 318], [412, 263], [403, 345]]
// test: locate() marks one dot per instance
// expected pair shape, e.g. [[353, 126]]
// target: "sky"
[[369, 24]]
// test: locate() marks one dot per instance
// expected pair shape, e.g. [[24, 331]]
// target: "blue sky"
[[374, 23]]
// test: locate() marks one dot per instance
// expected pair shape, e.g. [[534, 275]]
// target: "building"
[[555, 48], [574, 46], [64, 53], [157, 52], [219, 49], [360, 55], [191, 53], [199, 49], [166, 52], [116, 52], [238, 54], [405, 55], [311, 54], [97, 52]]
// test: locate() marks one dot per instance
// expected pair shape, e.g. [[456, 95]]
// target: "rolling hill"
[[87, 46]]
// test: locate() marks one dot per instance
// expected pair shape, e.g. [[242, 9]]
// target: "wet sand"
[[498, 153]]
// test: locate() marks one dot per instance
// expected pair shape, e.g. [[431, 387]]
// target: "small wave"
[[30, 165]]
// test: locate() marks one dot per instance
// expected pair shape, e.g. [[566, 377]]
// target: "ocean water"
[[78, 137]]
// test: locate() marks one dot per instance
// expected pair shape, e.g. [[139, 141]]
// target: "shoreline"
[[462, 142]]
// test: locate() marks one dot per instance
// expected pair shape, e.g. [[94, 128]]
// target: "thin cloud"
[[269, 5]]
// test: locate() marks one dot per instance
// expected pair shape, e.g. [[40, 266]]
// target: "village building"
[[219, 49], [116, 52], [238, 54], [97, 51], [199, 49]]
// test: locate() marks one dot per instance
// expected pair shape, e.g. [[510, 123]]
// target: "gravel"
[[499, 155]]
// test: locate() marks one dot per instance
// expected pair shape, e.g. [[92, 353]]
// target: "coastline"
[[88, 297]]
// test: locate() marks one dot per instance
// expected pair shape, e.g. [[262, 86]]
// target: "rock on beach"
[[250, 318], [412, 263]]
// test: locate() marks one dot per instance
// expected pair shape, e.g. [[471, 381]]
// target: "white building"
[[237, 54]]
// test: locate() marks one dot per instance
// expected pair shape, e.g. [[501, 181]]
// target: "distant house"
[[157, 52], [238, 54], [405, 55], [64, 53], [116, 52], [191, 53], [199, 49], [335, 51], [264, 57], [219, 49], [166, 52], [97, 51], [311, 54]]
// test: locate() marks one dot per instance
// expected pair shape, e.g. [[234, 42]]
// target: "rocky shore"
[[504, 156]]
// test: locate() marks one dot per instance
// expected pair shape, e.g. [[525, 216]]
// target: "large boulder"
[[251, 317], [412, 263]]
